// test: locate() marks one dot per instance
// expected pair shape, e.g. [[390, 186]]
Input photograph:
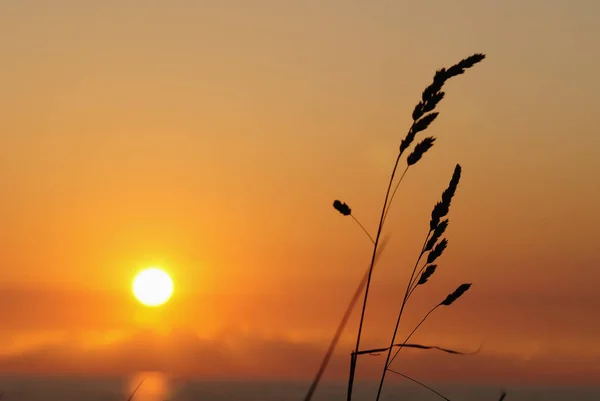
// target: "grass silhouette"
[[434, 245], [423, 115]]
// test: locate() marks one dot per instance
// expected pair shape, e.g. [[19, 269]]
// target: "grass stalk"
[[363, 228], [414, 284], [449, 300], [421, 384], [406, 294], [388, 364], [370, 273], [135, 390], [340, 329], [423, 115], [336, 338], [394, 193]]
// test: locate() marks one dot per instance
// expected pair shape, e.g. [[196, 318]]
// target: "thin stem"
[[394, 193], [336, 338], [135, 390], [387, 359], [353, 357], [340, 329], [418, 274], [363, 228], [415, 282], [364, 307], [376, 351], [411, 334], [420, 384], [411, 291]]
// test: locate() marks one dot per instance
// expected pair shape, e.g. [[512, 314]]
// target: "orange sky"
[[211, 139]]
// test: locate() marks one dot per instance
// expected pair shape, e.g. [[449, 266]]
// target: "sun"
[[152, 287]]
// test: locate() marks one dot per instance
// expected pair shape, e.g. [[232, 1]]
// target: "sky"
[[211, 138]]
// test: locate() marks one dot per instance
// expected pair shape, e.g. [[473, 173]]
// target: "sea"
[[157, 387]]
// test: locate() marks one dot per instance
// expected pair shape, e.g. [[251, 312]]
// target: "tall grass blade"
[[342, 325], [135, 390], [376, 351]]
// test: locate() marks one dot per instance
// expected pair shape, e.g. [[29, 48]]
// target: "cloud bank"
[[239, 355]]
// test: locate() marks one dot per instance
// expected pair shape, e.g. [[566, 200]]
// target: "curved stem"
[[340, 329], [387, 359], [411, 291], [394, 193], [363, 228], [411, 334], [420, 384], [336, 338], [364, 307], [135, 390], [415, 282]]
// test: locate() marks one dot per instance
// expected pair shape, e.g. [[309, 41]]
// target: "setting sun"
[[152, 287]]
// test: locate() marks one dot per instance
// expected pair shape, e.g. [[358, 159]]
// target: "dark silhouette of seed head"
[[436, 213], [342, 207], [420, 150], [418, 126], [442, 208], [423, 115], [437, 233], [462, 65], [449, 192], [437, 251], [436, 86], [425, 106], [456, 294], [433, 94], [433, 101], [423, 123], [429, 270]]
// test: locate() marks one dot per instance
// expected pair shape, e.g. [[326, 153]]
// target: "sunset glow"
[[210, 139]]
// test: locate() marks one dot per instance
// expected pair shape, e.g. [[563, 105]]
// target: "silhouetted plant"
[[135, 390], [423, 116]]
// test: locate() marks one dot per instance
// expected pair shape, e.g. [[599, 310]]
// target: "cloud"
[[238, 355]]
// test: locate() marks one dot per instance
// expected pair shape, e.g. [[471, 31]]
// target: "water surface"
[[158, 387]]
